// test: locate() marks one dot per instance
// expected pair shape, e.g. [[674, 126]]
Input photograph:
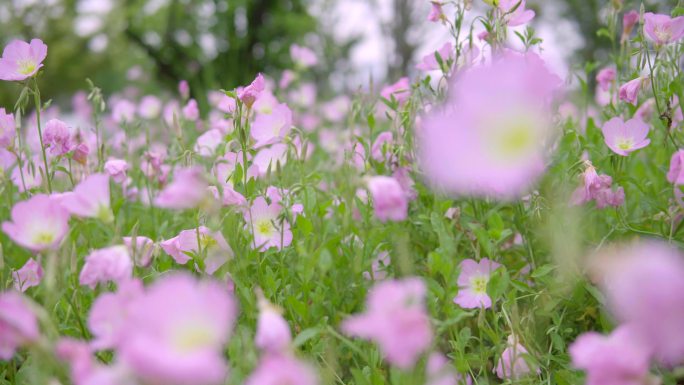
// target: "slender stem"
[[36, 100]]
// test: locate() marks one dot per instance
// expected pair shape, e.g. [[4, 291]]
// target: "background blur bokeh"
[[214, 44]]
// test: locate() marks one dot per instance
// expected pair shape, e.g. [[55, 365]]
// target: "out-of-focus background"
[[214, 44]]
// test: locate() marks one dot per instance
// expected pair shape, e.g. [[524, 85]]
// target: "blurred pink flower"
[[90, 198], [400, 91], [302, 56], [268, 158], [440, 372], [150, 107], [279, 369], [57, 138], [200, 242], [116, 169], [31, 178], [111, 264], [512, 364], [80, 153], [248, 95], [108, 314], [187, 190], [599, 188], [382, 147], [191, 110], [141, 250], [18, 324], [629, 20], [492, 137], [273, 332], [21, 60], [629, 92], [625, 137], [676, 173], [472, 283], [38, 223], [208, 142], [644, 287], [389, 198], [29, 275], [436, 13], [379, 267], [617, 359], [7, 129], [395, 319], [605, 78], [267, 230], [123, 111], [175, 332], [663, 29], [272, 128], [517, 17], [430, 62], [184, 89]]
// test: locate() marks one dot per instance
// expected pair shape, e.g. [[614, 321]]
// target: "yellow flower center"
[[43, 238], [264, 227], [625, 144], [662, 34], [26, 66], [479, 284], [192, 337], [105, 214], [207, 241]]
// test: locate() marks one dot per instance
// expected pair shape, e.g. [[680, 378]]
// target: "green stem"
[[36, 100]]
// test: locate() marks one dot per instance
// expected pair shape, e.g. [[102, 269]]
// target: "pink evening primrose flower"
[[629, 20], [104, 265], [395, 319], [141, 248], [617, 359], [492, 137], [472, 283], [629, 92], [191, 110], [625, 137], [176, 331], [150, 107], [38, 223], [268, 158], [662, 29], [248, 95], [184, 89], [302, 56], [57, 138], [28, 276], [7, 129], [90, 198], [21, 60], [676, 173], [390, 201], [430, 62], [598, 188], [208, 142], [18, 324], [518, 17], [273, 332], [108, 314], [644, 287], [400, 91], [187, 190], [513, 364], [605, 78], [211, 244], [116, 169], [266, 228], [273, 127], [279, 369], [436, 12]]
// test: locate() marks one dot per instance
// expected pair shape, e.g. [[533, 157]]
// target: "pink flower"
[[21, 60], [29, 275], [430, 62], [492, 136], [123, 111], [676, 173], [232, 197], [90, 198], [662, 29], [273, 332], [439, 372], [208, 142], [389, 199], [187, 190], [605, 78], [175, 332], [31, 176], [184, 89], [268, 158], [644, 287], [436, 13], [629, 20], [57, 138], [279, 369], [625, 137], [105, 265], [18, 324], [80, 153], [400, 91], [472, 283], [268, 231], [302, 56], [381, 149], [141, 248], [512, 364], [403, 176], [629, 92], [198, 243], [38, 223], [116, 169], [617, 359], [191, 110], [108, 314], [396, 320], [273, 127], [599, 188], [249, 94], [150, 107], [7, 129], [518, 17], [379, 267]]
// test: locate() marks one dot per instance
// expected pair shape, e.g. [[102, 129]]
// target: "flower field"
[[481, 220]]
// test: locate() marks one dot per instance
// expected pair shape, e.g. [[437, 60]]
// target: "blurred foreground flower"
[[18, 324]]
